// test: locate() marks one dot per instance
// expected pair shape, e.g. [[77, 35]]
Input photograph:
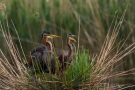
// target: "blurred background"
[[92, 18]]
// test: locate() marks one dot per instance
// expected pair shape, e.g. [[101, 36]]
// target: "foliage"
[[92, 18], [83, 73]]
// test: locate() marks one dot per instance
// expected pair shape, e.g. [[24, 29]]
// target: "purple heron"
[[43, 52]]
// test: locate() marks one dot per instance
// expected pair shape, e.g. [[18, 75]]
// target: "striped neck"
[[70, 52], [47, 43]]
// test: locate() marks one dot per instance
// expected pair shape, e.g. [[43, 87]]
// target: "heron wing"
[[37, 50], [61, 56]]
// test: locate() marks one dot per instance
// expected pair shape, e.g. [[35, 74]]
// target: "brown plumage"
[[66, 58], [42, 53]]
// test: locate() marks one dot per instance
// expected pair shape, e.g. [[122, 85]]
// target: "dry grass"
[[14, 74], [106, 63], [12, 71]]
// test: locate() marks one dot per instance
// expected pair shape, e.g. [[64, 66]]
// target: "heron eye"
[[45, 34], [71, 36]]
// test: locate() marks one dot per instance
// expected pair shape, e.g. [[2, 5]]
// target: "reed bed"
[[86, 72]]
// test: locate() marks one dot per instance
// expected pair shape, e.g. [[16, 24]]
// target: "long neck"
[[47, 43], [70, 52]]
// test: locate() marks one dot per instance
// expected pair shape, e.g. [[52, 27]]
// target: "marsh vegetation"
[[104, 28]]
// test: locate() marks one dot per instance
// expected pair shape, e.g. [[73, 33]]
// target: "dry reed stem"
[[104, 67], [14, 74]]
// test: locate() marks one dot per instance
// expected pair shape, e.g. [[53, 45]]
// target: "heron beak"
[[53, 36], [72, 38]]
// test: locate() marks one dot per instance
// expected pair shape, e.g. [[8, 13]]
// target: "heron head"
[[71, 37], [47, 34]]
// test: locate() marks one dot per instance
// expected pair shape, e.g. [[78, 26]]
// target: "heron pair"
[[43, 54]]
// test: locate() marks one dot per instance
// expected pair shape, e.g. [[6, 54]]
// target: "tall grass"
[[62, 17], [85, 72]]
